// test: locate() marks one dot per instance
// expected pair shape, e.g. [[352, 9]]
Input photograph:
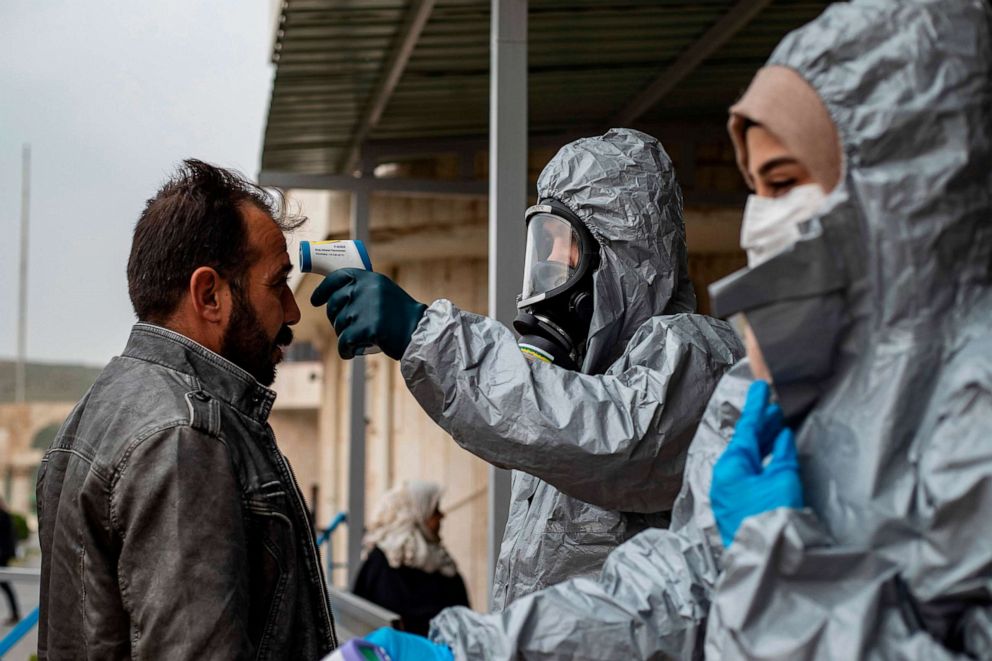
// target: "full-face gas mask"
[[556, 302]]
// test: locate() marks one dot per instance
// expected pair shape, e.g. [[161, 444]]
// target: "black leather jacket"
[[171, 525]]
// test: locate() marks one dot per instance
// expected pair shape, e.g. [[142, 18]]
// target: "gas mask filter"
[[555, 305]]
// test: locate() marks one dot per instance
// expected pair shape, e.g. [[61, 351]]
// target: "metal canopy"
[[355, 72]]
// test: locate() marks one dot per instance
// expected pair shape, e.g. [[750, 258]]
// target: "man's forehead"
[[264, 234]]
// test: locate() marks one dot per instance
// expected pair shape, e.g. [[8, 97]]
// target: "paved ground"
[[27, 596]]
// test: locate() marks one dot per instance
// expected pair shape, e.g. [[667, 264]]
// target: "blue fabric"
[[406, 646], [368, 309], [743, 484]]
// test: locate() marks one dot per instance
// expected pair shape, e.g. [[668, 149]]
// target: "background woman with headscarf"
[[406, 569]]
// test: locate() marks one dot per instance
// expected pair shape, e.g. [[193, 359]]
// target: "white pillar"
[[356, 415], [507, 201], [20, 372]]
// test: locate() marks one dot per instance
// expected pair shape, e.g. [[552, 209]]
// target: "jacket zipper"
[[310, 540]]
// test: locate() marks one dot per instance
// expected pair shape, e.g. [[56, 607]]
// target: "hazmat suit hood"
[[622, 186], [911, 216], [890, 456], [911, 155]]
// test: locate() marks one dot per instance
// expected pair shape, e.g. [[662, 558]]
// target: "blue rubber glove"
[[408, 647], [742, 486], [366, 309]]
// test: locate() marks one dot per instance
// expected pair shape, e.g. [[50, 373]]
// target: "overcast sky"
[[111, 95]]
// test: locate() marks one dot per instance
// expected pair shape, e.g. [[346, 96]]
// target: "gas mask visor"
[[559, 252], [795, 305], [555, 305]]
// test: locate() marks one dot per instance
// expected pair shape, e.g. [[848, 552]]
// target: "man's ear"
[[209, 295]]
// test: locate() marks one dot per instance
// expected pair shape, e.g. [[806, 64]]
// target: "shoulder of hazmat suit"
[[891, 559], [600, 451], [651, 599]]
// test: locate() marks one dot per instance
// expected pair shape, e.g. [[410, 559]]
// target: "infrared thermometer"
[[326, 257]]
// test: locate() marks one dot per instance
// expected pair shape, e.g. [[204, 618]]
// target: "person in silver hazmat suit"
[[873, 320], [598, 450], [879, 346]]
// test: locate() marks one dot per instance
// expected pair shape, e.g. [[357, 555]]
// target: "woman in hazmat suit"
[[874, 327], [596, 405]]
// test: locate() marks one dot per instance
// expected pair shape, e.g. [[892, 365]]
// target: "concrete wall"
[[299, 385], [414, 240]]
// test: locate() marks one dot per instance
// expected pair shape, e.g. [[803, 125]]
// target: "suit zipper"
[[310, 540]]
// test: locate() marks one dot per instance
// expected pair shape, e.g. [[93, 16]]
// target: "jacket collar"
[[211, 372]]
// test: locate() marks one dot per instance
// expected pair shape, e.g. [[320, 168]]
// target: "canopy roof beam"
[[413, 24], [396, 185], [711, 41]]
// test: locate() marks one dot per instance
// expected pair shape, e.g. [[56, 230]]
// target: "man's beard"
[[246, 345]]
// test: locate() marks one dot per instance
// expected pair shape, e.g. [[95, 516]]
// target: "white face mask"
[[771, 224]]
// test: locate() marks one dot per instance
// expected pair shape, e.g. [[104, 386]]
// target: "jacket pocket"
[[271, 557]]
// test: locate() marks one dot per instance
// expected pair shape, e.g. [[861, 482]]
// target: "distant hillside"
[[48, 382]]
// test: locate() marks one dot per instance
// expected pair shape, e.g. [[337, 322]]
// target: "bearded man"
[[171, 525]]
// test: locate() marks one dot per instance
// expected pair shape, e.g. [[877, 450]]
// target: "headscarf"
[[783, 102], [399, 528]]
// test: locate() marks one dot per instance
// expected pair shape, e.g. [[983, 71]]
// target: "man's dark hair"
[[195, 220]]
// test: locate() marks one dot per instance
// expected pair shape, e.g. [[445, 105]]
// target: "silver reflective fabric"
[[598, 454], [652, 597], [892, 557]]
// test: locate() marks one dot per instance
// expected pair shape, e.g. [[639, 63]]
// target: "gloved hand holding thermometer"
[[743, 485], [369, 311]]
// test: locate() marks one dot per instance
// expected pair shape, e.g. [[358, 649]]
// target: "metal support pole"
[[507, 201], [356, 416], [20, 375]]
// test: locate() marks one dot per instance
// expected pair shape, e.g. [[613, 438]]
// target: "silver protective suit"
[[597, 454], [652, 597], [892, 558]]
